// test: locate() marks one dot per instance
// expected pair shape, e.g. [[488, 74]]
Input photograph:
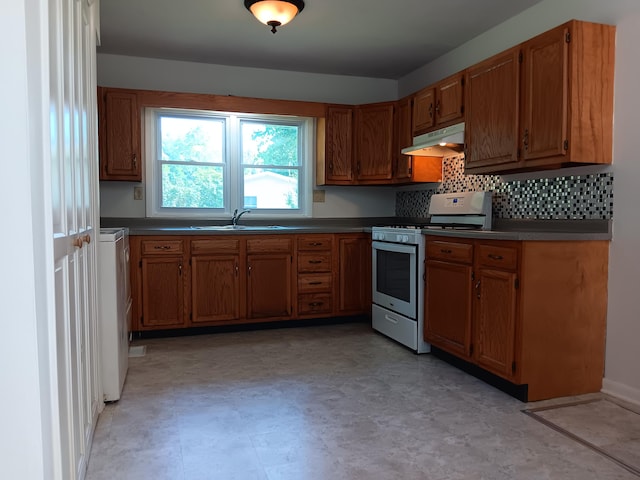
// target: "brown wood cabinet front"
[[119, 135], [354, 274], [424, 104], [375, 130], [534, 313], [565, 109], [450, 100], [448, 306], [492, 104], [215, 288], [208, 280], [159, 282], [315, 276], [269, 286], [339, 145]]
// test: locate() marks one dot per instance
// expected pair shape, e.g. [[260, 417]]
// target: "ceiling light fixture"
[[274, 12]]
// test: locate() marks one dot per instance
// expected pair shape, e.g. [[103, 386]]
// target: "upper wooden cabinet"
[[339, 145], [565, 103], [439, 105], [119, 135], [424, 105], [492, 109], [374, 142], [404, 138], [360, 145]]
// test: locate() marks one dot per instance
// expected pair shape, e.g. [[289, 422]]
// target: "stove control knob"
[[402, 238]]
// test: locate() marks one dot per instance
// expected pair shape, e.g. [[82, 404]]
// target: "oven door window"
[[394, 277], [393, 274]]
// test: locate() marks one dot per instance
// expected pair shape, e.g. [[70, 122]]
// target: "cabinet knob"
[[86, 239], [77, 242]]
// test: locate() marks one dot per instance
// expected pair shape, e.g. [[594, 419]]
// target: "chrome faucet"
[[236, 216]]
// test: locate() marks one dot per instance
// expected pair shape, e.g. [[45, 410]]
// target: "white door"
[[72, 40]]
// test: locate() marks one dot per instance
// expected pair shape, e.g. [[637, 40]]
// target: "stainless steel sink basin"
[[238, 227]]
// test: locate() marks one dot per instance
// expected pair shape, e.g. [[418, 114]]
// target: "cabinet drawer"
[[159, 247], [314, 262], [314, 303], [269, 245], [315, 242], [215, 246], [450, 251], [498, 256], [314, 283]]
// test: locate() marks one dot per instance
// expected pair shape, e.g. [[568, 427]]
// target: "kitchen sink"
[[238, 227]]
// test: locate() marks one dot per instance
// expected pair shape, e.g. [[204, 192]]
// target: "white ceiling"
[[379, 39]]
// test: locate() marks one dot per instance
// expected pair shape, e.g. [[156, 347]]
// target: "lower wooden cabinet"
[[530, 312], [354, 274], [215, 280], [159, 283], [315, 275], [202, 280]]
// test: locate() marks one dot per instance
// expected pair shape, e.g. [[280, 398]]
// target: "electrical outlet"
[[318, 196], [137, 193]]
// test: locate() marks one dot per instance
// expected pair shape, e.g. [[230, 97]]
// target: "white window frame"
[[233, 170]]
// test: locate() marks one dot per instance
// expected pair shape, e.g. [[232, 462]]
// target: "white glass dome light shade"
[[275, 13]]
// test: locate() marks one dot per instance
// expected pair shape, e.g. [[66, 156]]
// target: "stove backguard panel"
[[569, 197]]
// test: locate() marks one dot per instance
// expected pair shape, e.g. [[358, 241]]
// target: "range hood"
[[439, 143]]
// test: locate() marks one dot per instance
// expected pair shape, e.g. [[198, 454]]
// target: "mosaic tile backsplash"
[[561, 198]]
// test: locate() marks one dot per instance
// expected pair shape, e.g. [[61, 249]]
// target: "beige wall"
[[622, 376]]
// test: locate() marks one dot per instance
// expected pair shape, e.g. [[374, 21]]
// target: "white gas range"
[[398, 265]]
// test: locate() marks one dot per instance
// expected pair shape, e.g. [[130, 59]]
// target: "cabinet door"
[[424, 111], [162, 292], [339, 144], [496, 322], [448, 307], [374, 144], [269, 285], [492, 109], [215, 288], [449, 100], [354, 258], [404, 139], [545, 97], [120, 137]]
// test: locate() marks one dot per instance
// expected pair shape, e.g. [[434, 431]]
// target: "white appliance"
[[115, 309], [398, 268], [398, 285]]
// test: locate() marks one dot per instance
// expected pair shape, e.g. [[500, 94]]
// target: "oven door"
[[394, 277]]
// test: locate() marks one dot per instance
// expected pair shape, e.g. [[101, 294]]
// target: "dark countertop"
[[504, 229]]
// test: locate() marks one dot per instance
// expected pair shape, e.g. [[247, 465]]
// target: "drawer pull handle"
[[495, 257], [445, 250], [315, 244], [315, 304], [315, 283], [315, 261], [162, 247]]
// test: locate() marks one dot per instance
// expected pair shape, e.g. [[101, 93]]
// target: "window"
[[203, 163]]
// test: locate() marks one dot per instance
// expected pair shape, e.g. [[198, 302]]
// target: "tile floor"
[[336, 402]]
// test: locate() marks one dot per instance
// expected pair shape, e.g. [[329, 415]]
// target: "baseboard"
[[621, 391]]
